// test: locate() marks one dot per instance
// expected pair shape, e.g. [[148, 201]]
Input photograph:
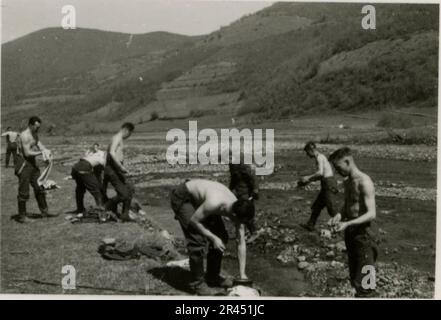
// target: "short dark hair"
[[34, 119], [244, 210], [96, 144], [8, 128], [129, 126], [310, 146], [340, 153]]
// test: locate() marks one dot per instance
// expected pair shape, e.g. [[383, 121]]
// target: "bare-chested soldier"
[[199, 206], [357, 213], [328, 184], [115, 172], [87, 175], [27, 171]]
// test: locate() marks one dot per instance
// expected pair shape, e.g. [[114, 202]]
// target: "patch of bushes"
[[197, 113], [154, 116], [395, 121]]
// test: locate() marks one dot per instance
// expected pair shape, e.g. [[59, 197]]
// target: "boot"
[[112, 205], [42, 205], [214, 263], [310, 226], [219, 281], [22, 212], [203, 289], [41, 201], [125, 212]]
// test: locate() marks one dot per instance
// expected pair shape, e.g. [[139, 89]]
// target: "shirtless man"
[[199, 206], [328, 184], [115, 172], [11, 145], [27, 171], [357, 213], [87, 175]]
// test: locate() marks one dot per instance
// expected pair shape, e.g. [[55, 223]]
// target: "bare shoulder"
[[366, 184], [322, 159], [26, 136], [116, 138], [218, 194]]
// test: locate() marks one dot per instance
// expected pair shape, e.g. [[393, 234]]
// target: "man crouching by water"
[[199, 206], [357, 213]]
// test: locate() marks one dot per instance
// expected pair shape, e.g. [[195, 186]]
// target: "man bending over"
[[199, 206]]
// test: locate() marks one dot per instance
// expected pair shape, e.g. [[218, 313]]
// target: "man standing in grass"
[[115, 173], [11, 145], [27, 171], [199, 206], [355, 220], [328, 185]]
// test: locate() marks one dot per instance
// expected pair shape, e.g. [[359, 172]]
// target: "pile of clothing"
[[153, 246], [243, 291], [93, 215]]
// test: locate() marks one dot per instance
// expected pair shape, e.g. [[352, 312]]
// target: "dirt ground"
[[32, 255]]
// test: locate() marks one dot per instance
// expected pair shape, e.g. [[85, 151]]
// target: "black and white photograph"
[[228, 149]]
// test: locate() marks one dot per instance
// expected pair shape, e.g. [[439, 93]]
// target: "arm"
[[367, 191], [5, 133], [335, 220], [113, 146], [200, 214], [318, 174], [241, 249], [41, 146], [47, 154]]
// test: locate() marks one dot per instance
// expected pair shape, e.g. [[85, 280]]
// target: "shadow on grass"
[[33, 216], [175, 277]]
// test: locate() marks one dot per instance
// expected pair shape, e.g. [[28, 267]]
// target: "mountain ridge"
[[266, 65]]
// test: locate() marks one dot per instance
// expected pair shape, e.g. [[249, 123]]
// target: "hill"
[[55, 60], [285, 60]]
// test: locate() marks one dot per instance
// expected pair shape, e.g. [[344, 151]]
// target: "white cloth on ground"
[[243, 291]]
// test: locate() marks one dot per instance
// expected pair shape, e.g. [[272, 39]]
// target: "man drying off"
[[328, 185], [199, 206], [11, 145], [115, 172], [87, 175], [355, 220], [27, 171]]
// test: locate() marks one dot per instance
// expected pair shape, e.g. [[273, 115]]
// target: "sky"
[[20, 17]]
